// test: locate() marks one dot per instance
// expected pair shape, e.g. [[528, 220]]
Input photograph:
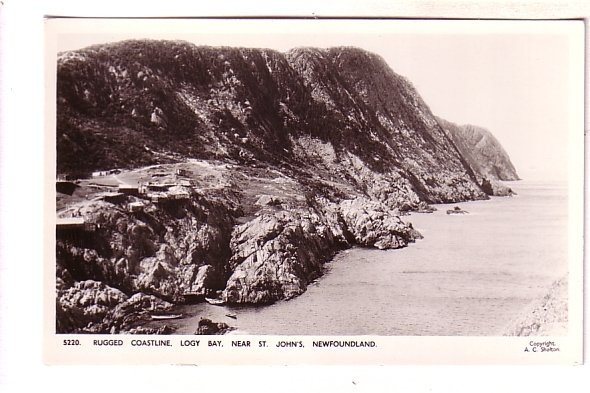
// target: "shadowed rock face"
[[295, 156]]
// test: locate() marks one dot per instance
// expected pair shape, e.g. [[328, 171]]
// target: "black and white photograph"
[[311, 196], [337, 179]]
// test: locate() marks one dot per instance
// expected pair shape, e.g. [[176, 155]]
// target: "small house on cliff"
[[113, 197], [129, 189], [73, 224]]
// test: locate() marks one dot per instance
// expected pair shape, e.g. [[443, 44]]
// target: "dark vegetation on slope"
[[121, 104]]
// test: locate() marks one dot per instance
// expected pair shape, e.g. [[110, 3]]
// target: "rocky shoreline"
[[134, 264], [545, 317], [229, 246], [276, 255]]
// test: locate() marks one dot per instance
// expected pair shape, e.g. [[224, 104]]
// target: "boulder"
[[131, 313], [457, 210], [84, 303], [208, 327], [94, 297]]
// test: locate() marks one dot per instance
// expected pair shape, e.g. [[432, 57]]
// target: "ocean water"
[[471, 275]]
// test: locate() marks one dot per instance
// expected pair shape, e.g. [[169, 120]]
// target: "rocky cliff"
[[120, 105], [281, 159], [484, 154]]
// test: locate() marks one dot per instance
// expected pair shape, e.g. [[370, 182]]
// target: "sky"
[[515, 79]]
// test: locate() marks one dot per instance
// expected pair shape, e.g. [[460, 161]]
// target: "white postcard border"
[[387, 350]]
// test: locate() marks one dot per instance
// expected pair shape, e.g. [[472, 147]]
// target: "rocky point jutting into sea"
[[187, 172], [484, 154]]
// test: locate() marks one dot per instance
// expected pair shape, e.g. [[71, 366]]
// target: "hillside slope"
[[482, 151], [121, 104]]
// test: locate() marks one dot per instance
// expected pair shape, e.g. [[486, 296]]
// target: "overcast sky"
[[513, 78]]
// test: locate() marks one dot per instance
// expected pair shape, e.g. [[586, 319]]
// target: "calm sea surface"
[[470, 275]]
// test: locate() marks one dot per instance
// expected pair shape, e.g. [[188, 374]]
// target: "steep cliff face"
[[290, 158], [121, 104], [384, 119], [482, 151]]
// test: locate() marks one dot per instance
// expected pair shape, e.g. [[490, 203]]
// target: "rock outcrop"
[[457, 210], [371, 224], [208, 327], [276, 256], [84, 304], [93, 307]]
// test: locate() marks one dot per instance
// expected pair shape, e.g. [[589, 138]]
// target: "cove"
[[471, 275]]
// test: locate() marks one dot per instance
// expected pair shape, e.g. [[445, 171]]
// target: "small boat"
[[167, 316], [215, 302], [231, 315]]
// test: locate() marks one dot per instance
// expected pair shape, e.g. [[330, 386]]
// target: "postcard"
[[313, 191]]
